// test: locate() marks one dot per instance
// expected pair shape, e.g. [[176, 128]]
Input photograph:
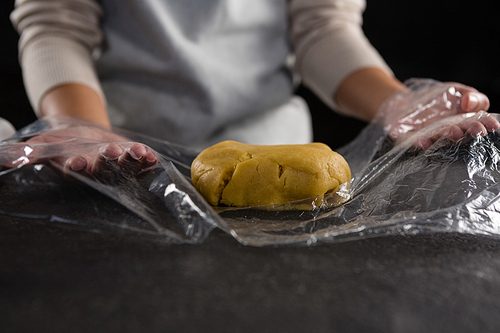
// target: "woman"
[[198, 72]]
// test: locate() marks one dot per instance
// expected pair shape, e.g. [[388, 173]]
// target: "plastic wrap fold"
[[397, 187]]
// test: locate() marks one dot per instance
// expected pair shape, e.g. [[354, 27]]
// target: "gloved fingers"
[[476, 127], [474, 102], [105, 163], [423, 143], [114, 163], [136, 159], [491, 123], [76, 163], [451, 132], [479, 126], [149, 161]]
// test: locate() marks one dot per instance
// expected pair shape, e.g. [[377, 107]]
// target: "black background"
[[441, 39]]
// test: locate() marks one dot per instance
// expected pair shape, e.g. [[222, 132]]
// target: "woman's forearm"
[[75, 100]]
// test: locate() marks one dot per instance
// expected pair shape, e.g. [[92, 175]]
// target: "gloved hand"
[[427, 102], [74, 145]]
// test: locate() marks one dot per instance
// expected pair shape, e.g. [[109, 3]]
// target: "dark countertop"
[[56, 278]]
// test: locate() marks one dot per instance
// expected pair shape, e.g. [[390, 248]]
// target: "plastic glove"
[[427, 101], [76, 145]]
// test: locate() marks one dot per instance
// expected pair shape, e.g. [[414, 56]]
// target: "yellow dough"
[[236, 174]]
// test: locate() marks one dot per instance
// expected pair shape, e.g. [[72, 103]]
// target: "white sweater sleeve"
[[330, 45], [57, 44]]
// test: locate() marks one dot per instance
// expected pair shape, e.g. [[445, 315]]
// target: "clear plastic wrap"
[[397, 186], [159, 203]]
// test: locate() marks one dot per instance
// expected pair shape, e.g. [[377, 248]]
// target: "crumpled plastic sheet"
[[396, 189]]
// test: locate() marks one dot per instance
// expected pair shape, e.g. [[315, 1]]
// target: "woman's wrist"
[[362, 93]]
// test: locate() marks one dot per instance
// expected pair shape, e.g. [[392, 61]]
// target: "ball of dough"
[[236, 174]]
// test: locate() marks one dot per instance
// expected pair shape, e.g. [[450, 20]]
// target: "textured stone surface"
[[61, 278]]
